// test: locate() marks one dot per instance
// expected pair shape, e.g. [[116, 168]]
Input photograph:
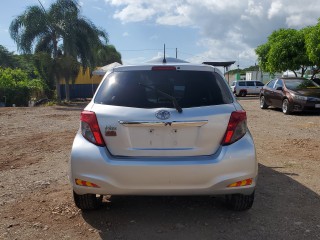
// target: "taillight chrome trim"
[[162, 124]]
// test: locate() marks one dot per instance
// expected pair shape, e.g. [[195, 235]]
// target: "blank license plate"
[[317, 105]]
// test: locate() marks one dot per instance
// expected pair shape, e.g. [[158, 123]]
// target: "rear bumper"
[[204, 175]]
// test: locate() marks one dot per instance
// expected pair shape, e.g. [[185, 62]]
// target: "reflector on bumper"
[[85, 183], [241, 183]]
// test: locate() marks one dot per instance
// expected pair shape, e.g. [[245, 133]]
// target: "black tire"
[[286, 107], [263, 104], [87, 201], [240, 202], [243, 93]]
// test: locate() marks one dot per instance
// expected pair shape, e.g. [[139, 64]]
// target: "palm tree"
[[107, 54], [60, 31]]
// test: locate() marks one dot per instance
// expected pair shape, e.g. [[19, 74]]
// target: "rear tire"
[[87, 201], [243, 93], [263, 104], [240, 202], [286, 107]]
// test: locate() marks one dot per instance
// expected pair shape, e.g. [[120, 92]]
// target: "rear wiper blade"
[[172, 98]]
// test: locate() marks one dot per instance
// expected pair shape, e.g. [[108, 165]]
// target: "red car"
[[291, 95]]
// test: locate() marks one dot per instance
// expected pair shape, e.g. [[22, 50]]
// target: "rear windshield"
[[139, 89]]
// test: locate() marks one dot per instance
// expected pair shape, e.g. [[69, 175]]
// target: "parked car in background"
[[243, 88], [171, 128], [291, 95]]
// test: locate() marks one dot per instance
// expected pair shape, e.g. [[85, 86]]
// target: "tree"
[[6, 58], [107, 54], [285, 50], [68, 68], [16, 86], [312, 38], [262, 52], [46, 69], [58, 29]]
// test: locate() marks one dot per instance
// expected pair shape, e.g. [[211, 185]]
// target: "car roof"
[[183, 65]]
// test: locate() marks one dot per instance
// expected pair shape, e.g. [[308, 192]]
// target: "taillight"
[[237, 127], [90, 128]]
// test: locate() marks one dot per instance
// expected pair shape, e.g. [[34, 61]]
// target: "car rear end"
[[163, 129]]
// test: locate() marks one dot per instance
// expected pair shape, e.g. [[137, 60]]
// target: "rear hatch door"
[[138, 132], [137, 119]]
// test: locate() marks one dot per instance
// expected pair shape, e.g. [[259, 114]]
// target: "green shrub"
[[17, 88], [19, 95]]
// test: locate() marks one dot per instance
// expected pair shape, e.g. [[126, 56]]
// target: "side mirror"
[[279, 88]]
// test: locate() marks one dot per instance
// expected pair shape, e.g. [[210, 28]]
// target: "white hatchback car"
[[169, 128]]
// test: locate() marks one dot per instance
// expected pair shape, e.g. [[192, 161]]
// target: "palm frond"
[[44, 44], [26, 28]]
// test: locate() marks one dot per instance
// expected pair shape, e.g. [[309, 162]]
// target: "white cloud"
[[275, 9], [134, 13], [254, 9], [220, 50], [179, 17], [227, 29]]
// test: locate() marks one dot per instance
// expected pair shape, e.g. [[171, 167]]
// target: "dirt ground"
[[36, 202]]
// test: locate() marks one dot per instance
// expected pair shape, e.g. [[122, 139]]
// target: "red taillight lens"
[[90, 128], [237, 127]]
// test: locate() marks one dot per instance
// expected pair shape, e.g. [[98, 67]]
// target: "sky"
[[197, 30]]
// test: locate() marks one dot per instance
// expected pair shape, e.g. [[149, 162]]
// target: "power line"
[[142, 50]]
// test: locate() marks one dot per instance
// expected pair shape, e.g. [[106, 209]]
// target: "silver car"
[[244, 88], [170, 128]]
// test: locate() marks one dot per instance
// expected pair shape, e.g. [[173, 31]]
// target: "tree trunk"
[[67, 89], [58, 90], [55, 57]]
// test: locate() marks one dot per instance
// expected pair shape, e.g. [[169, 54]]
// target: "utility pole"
[[176, 52]]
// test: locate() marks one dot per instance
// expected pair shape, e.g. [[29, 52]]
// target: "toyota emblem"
[[163, 114]]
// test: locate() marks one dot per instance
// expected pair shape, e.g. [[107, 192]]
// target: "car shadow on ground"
[[248, 97], [283, 209]]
